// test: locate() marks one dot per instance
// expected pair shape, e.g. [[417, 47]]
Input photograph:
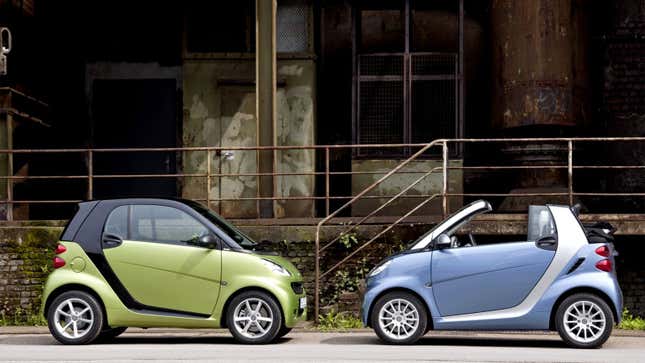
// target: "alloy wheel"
[[584, 321], [398, 319], [253, 318], [73, 318]]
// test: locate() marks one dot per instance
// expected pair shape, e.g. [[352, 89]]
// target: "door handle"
[[111, 240]]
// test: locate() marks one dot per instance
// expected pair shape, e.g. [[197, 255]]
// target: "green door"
[[156, 263]]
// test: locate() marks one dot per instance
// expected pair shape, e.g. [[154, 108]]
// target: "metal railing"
[[440, 151], [208, 172], [446, 146]]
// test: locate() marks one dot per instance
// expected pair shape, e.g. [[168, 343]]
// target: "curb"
[[31, 330]]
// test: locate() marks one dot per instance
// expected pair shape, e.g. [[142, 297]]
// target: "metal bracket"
[[5, 48]]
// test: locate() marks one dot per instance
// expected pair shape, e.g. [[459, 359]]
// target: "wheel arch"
[[578, 290], [74, 287], [222, 318], [405, 290]]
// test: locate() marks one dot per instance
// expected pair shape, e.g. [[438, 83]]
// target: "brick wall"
[[631, 272], [25, 261]]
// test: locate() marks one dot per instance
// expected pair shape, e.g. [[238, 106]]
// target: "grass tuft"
[[338, 321], [631, 322]]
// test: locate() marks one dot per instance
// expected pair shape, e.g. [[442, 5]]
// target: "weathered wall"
[[25, 261], [219, 110], [533, 63], [396, 183], [623, 96]]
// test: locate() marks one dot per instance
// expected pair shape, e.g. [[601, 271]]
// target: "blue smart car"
[[560, 278]]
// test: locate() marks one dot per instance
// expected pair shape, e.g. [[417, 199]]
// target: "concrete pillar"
[[265, 67], [532, 63]]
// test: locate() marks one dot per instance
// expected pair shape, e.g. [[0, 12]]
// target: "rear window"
[[541, 223]]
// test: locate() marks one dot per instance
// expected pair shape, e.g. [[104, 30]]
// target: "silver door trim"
[[570, 239]]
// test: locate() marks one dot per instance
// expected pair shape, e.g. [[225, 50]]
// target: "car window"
[[164, 224], [117, 222], [541, 223]]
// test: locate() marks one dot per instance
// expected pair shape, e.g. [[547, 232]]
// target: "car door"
[[492, 277], [155, 262]]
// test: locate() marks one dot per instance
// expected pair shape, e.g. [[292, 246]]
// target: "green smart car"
[[166, 263]]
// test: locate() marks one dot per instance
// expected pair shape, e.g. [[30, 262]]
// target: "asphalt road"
[[320, 347]]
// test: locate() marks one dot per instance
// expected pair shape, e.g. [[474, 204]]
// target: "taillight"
[[58, 262], [60, 249], [603, 251], [604, 265]]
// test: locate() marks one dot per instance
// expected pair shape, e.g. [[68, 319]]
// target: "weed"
[[631, 322], [338, 321]]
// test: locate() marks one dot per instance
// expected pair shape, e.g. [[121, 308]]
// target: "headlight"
[[379, 269], [276, 268]]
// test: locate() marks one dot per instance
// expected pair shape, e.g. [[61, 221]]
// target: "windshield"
[[238, 236], [452, 223]]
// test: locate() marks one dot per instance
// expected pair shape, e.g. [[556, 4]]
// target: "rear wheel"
[[75, 317], [399, 318], [254, 317], [584, 321]]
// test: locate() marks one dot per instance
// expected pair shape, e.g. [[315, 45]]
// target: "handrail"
[[318, 276]]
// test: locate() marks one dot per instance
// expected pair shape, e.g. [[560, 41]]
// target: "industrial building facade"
[[287, 109]]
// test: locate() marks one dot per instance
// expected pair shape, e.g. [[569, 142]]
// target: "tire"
[[283, 331], [250, 329], [388, 318], [84, 324], [584, 321], [110, 333]]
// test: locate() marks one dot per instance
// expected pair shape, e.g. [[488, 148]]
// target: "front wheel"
[[254, 317], [399, 318], [584, 321], [75, 317]]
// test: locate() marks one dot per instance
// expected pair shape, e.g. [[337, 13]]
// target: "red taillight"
[[604, 265], [603, 251], [60, 249], [58, 262]]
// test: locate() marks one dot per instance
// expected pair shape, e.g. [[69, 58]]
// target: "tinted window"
[[164, 224], [117, 222]]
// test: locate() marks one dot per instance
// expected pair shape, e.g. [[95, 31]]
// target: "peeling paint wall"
[[219, 110], [295, 126], [396, 183]]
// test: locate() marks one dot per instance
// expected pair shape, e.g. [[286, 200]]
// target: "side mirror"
[[206, 241], [442, 241]]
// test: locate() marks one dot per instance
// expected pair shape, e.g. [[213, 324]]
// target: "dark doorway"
[[140, 113]]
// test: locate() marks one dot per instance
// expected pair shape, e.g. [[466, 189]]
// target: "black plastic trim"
[[297, 287], [576, 265], [83, 210]]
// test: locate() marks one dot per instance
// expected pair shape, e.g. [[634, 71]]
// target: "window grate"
[[403, 99], [292, 26]]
